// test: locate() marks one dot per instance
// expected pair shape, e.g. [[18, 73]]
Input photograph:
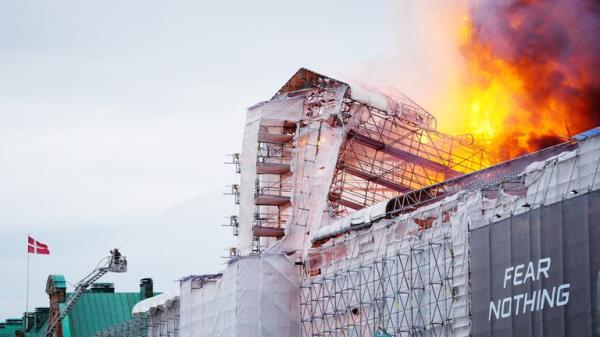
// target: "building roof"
[[38, 328], [8, 328], [55, 282], [95, 312], [98, 309]]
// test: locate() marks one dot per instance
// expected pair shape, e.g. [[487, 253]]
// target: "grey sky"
[[116, 116]]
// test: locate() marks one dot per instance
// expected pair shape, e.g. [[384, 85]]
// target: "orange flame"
[[519, 92]]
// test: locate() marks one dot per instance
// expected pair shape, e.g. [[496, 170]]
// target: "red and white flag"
[[36, 247]]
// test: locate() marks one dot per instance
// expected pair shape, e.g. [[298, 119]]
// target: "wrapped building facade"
[[358, 218]]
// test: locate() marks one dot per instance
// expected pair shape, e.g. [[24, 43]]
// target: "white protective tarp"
[[563, 176], [163, 300], [284, 109], [257, 296], [162, 311], [389, 274], [369, 96], [313, 169], [361, 217], [317, 146]]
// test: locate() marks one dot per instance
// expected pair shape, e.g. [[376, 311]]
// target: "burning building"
[[358, 218]]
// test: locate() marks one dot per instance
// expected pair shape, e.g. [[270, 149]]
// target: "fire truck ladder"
[[114, 263]]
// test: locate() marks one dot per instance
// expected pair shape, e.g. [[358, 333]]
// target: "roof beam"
[[374, 178], [401, 154]]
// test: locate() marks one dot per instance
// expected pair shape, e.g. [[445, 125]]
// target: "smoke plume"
[[540, 59]]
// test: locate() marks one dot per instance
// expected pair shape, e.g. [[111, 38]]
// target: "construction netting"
[[261, 118], [395, 279], [137, 326], [255, 296], [161, 313]]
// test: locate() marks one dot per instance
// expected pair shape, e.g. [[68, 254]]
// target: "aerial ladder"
[[114, 263]]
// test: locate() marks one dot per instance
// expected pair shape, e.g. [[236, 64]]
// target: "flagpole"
[[27, 300]]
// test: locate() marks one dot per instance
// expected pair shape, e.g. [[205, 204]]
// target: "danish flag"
[[36, 247]]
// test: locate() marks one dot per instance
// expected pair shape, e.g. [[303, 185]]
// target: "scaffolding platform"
[[274, 138], [272, 168], [271, 200], [268, 232]]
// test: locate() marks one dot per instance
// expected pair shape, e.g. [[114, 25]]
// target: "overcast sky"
[[116, 118]]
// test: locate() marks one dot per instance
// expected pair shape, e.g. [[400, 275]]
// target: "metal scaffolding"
[[162, 324], [367, 286], [157, 323], [137, 326], [273, 187]]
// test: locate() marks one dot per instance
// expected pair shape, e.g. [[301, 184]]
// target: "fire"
[[530, 78]]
